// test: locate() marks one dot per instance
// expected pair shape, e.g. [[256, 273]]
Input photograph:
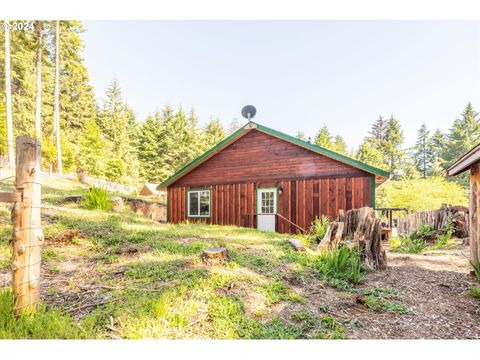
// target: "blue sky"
[[300, 75]]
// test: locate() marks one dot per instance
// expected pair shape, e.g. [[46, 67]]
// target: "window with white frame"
[[198, 203]]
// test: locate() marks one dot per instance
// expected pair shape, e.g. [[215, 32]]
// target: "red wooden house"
[[260, 177]]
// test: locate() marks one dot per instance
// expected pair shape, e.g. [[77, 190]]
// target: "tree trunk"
[[56, 111], [333, 236], [8, 97], [27, 231], [38, 111], [364, 228]]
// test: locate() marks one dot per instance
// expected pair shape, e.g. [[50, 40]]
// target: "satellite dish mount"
[[248, 112]]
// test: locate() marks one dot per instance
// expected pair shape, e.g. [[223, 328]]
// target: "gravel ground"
[[434, 286]]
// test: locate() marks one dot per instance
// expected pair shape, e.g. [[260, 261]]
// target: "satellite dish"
[[249, 112]]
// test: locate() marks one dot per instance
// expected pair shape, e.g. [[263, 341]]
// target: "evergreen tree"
[[214, 133], [370, 154], [91, 150], [301, 136], [234, 126], [463, 135], [437, 148], [339, 145], [324, 138], [115, 122], [422, 155]]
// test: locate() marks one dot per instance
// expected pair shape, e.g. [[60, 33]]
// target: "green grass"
[[156, 285], [475, 293]]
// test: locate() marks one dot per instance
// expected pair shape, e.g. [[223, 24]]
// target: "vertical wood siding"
[[301, 201]]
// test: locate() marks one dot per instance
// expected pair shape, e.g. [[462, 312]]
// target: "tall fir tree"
[[323, 138], [115, 122], [423, 156], [463, 135], [214, 133]]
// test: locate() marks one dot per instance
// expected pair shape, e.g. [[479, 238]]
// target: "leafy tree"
[[421, 194]]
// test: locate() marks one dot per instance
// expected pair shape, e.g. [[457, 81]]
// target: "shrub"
[[97, 198], [408, 245], [319, 227], [340, 263], [422, 232]]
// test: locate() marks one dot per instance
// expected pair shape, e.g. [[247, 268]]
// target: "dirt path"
[[434, 286]]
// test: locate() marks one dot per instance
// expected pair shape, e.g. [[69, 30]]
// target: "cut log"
[[214, 256], [333, 236], [297, 244]]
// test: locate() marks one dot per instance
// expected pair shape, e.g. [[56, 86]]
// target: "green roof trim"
[[315, 148]]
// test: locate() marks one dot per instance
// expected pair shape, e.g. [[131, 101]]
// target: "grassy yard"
[[120, 275]]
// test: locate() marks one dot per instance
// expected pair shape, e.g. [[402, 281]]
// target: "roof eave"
[[465, 162]]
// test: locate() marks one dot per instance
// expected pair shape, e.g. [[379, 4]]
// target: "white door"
[[266, 208]]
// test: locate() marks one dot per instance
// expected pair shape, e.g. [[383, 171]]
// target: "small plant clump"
[[475, 293], [319, 227], [340, 266], [97, 198], [418, 241]]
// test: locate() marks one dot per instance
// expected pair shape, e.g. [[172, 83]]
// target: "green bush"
[[97, 198], [422, 232]]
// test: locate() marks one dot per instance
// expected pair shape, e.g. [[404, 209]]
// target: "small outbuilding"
[[471, 161], [152, 190], [261, 178]]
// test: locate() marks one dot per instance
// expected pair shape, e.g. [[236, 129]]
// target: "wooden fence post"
[[27, 231]]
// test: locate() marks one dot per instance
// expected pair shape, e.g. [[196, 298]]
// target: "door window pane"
[[267, 199]]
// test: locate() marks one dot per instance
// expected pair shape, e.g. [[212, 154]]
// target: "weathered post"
[[27, 231]]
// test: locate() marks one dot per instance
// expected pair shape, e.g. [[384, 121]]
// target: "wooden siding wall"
[[260, 157], [301, 201]]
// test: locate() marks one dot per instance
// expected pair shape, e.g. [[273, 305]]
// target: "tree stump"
[[214, 256], [333, 236], [364, 228], [117, 203]]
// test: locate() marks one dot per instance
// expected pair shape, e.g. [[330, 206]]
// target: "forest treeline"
[[107, 140]]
